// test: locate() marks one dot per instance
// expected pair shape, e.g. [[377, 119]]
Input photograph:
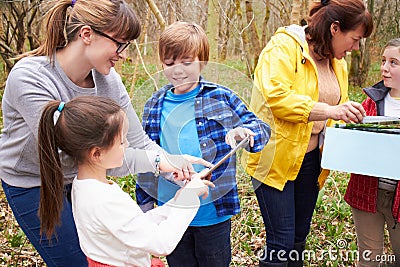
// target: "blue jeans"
[[203, 246], [63, 248], [287, 214]]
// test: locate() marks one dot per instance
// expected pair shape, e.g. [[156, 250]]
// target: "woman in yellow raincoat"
[[301, 85]]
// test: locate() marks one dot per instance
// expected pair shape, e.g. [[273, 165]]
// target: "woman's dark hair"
[[348, 14], [84, 123]]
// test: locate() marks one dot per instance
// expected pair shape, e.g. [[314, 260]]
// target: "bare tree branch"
[[157, 13]]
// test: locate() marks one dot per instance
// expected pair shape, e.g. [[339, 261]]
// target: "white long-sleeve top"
[[112, 229]]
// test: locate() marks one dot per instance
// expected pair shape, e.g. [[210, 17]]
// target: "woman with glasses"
[[83, 41]]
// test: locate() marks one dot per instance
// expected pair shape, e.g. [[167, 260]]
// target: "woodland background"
[[237, 31], [236, 28]]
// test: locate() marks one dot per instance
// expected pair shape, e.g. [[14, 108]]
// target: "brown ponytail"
[[84, 122], [52, 179]]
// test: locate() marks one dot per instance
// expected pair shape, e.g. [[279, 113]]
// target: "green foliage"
[[17, 239], [236, 64], [374, 76], [356, 94], [332, 229], [128, 184], [128, 71]]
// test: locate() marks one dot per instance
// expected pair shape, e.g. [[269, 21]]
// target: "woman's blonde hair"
[[65, 18]]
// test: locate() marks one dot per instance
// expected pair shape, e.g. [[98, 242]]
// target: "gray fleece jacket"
[[32, 82]]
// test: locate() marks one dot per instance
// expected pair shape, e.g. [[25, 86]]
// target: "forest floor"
[[331, 242]]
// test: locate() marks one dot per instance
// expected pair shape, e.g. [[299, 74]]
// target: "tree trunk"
[[19, 23], [203, 21], [295, 15], [225, 31], [265, 23], [253, 33], [360, 60], [32, 38], [244, 40], [212, 30]]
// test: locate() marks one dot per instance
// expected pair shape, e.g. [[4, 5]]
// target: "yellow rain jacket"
[[285, 90]]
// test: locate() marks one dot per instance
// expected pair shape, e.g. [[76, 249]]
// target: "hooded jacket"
[[362, 190], [285, 91]]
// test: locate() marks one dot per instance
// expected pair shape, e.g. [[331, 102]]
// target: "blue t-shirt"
[[178, 135]]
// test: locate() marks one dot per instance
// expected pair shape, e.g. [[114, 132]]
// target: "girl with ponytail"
[[112, 229]]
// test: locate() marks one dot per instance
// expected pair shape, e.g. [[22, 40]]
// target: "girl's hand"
[[180, 165], [200, 186]]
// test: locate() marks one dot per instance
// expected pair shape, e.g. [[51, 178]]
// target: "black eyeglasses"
[[121, 46]]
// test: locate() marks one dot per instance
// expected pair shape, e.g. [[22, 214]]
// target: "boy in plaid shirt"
[[196, 117]]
